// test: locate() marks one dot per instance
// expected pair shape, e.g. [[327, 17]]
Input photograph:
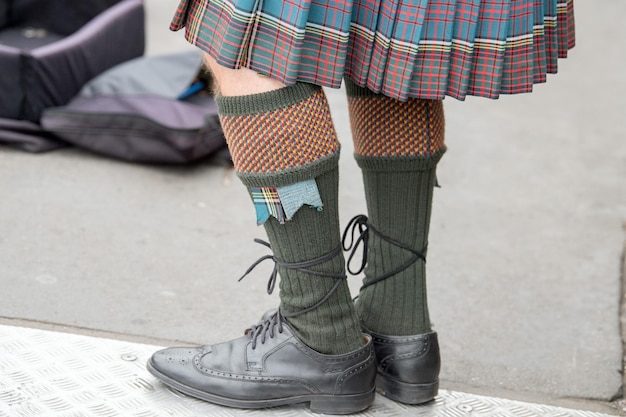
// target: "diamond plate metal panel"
[[47, 374]]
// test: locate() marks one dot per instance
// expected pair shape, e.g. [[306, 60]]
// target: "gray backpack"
[[151, 109]]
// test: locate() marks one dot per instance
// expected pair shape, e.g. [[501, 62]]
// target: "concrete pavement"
[[524, 260]]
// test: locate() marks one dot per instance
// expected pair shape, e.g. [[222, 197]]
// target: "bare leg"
[[239, 82]]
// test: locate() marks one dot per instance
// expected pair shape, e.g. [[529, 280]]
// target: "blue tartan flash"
[[283, 202]]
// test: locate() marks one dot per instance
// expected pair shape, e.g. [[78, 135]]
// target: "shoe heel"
[[404, 392], [342, 404]]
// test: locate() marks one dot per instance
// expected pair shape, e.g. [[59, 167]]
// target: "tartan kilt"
[[426, 49]]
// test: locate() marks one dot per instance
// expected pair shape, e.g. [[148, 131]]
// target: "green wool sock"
[[332, 327], [397, 145], [281, 139], [399, 193]]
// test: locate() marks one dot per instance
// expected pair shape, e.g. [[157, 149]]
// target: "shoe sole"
[[404, 392], [318, 403]]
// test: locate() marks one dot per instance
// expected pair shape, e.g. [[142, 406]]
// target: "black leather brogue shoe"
[[268, 367], [408, 366]]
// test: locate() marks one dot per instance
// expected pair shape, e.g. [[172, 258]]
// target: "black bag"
[[47, 53], [49, 49], [150, 109]]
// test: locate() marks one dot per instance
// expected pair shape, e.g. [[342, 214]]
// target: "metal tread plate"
[[44, 373]]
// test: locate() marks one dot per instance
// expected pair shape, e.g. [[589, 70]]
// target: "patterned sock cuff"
[[265, 102], [399, 163], [290, 176]]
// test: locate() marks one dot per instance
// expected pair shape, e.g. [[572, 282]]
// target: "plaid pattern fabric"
[[385, 127], [289, 40], [401, 48], [267, 203], [283, 202]]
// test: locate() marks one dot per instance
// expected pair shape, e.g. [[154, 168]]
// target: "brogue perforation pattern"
[[353, 371], [244, 378]]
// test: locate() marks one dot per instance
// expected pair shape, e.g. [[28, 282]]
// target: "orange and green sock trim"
[[382, 126], [278, 130]]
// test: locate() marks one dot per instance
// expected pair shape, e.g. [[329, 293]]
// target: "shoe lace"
[[360, 224], [357, 223], [267, 326]]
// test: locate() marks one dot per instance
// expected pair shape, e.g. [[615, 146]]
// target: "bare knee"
[[239, 82]]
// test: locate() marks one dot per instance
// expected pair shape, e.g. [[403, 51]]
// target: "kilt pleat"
[[488, 49], [539, 33], [401, 48]]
